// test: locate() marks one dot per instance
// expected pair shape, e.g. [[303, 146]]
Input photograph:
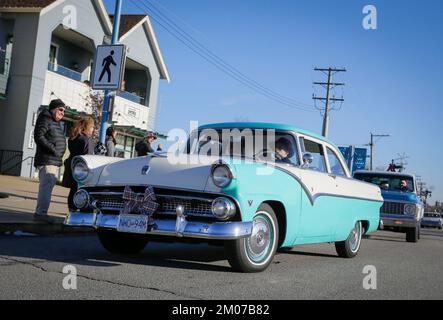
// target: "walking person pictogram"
[[106, 64]]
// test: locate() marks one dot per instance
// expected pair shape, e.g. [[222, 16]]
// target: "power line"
[[222, 61], [177, 32]]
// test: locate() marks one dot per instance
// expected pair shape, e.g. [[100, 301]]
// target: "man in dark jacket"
[[51, 146], [145, 146]]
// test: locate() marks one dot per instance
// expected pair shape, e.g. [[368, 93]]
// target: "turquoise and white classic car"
[[253, 187]]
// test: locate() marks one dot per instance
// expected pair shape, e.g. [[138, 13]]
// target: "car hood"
[[192, 172], [399, 196]]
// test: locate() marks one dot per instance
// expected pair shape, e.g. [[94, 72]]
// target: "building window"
[[53, 53], [125, 146]]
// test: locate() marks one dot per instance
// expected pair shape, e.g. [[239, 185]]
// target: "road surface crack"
[[40, 268]]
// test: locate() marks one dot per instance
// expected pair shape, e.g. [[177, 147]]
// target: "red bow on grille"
[[140, 204]]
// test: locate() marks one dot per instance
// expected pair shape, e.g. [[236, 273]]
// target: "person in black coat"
[[80, 143], [51, 146], [145, 146]]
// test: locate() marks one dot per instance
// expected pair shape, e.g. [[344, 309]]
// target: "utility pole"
[[106, 102], [328, 86], [372, 144], [402, 162]]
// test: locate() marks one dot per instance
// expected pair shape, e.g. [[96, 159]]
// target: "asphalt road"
[[32, 268]]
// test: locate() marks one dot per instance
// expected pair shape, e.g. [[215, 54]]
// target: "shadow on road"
[[87, 251], [428, 234], [54, 194], [34, 198], [306, 253]]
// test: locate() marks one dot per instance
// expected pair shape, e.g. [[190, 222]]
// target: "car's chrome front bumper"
[[394, 220], [178, 228]]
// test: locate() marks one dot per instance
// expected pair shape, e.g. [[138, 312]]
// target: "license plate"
[[132, 223]]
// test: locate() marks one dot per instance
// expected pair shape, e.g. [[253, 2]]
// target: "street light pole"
[[106, 102]]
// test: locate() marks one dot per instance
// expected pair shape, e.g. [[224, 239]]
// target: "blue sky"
[[393, 83]]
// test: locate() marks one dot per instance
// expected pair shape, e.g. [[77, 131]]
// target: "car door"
[[317, 220], [341, 212]]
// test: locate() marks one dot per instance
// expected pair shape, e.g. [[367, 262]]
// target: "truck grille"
[[168, 204], [393, 208]]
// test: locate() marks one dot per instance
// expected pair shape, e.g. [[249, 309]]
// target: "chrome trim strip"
[[189, 229], [317, 195]]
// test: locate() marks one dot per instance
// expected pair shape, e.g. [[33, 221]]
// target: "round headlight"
[[223, 208], [81, 199], [410, 209], [221, 175], [80, 170]]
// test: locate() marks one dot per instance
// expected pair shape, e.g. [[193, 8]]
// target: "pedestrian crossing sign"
[[109, 66]]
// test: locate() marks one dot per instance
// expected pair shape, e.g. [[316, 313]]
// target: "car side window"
[[335, 164], [316, 151]]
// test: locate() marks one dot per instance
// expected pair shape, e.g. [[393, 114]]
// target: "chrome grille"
[[393, 208], [168, 204], [192, 207]]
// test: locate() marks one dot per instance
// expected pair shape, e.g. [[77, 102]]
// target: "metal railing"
[[3, 61], [131, 97], [11, 162], [66, 72]]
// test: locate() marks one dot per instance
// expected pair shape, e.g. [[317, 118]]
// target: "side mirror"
[[307, 160], [384, 186]]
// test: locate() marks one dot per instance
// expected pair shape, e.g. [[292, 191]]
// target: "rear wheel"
[[121, 243], [413, 234], [255, 254], [350, 247]]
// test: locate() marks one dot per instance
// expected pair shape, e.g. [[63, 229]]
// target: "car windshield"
[[258, 144], [388, 182]]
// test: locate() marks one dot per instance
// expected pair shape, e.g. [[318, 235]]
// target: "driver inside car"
[[283, 151]]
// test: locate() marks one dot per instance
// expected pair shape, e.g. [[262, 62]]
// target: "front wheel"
[[255, 254], [413, 234], [350, 247], [121, 243]]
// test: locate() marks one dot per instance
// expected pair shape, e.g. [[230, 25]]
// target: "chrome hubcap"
[[355, 237], [260, 243]]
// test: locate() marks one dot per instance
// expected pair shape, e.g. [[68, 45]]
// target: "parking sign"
[[109, 67]]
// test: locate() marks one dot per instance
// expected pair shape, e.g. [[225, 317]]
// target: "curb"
[[39, 228]]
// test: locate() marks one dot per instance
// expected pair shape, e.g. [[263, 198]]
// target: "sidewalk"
[[18, 199]]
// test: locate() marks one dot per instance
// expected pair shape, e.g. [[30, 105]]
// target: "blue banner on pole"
[[355, 157], [347, 154], [360, 156]]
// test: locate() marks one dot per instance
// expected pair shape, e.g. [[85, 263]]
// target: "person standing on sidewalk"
[[51, 146], [80, 143], [111, 142]]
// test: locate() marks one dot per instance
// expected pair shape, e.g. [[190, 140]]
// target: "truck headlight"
[[80, 170], [223, 208], [221, 175], [81, 199], [410, 209]]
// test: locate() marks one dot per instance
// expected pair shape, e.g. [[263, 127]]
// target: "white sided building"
[[47, 50]]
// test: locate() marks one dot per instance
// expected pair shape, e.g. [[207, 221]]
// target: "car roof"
[[385, 173], [264, 125]]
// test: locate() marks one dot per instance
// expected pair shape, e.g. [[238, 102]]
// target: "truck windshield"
[[388, 182]]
